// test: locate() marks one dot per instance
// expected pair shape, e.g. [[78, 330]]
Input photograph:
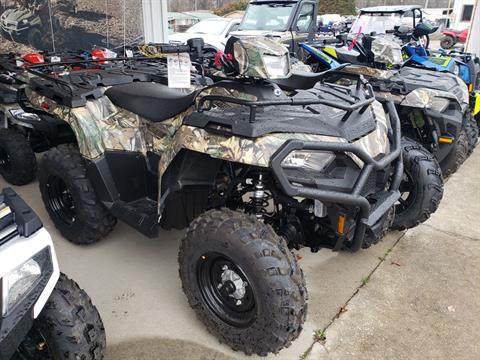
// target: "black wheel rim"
[[34, 347], [5, 163], [60, 200], [226, 290], [408, 194]]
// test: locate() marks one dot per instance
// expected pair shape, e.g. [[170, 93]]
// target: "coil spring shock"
[[259, 200]]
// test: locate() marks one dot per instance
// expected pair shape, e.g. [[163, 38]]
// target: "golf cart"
[[44, 314], [383, 19]]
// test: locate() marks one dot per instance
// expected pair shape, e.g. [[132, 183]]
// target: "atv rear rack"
[[368, 218]]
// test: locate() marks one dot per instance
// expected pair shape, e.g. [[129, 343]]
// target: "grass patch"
[[320, 335], [365, 279]]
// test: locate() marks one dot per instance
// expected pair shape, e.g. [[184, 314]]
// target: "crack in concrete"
[[362, 284], [451, 233]]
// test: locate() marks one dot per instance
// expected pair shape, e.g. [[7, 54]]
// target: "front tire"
[[243, 282], [69, 327], [70, 199], [18, 164], [422, 187]]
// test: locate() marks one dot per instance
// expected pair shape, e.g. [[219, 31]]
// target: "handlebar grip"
[[174, 49]]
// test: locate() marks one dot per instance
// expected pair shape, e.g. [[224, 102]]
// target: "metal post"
[[155, 20]]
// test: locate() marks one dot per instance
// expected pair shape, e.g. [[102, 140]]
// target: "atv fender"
[[185, 186], [425, 98]]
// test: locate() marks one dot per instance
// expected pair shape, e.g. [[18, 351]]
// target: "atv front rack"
[[368, 218], [253, 106]]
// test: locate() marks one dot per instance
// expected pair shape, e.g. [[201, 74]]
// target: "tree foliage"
[[342, 7], [231, 7]]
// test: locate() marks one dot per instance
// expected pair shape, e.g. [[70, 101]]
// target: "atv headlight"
[[308, 160], [19, 282], [276, 66]]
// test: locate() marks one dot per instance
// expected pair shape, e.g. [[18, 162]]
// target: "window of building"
[[467, 12]]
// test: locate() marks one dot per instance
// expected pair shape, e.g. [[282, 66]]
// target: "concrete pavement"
[[424, 293], [423, 301]]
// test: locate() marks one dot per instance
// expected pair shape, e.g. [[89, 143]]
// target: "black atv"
[[250, 170]]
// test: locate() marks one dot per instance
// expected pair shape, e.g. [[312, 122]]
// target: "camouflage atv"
[[434, 107], [23, 131], [248, 169]]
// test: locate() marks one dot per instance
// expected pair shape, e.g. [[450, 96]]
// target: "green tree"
[[342, 7], [230, 7]]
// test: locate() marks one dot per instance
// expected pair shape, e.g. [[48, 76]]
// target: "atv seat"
[[152, 101]]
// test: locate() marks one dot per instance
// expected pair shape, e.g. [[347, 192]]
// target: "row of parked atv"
[[254, 160]]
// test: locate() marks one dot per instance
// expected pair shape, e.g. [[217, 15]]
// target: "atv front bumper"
[[368, 216]]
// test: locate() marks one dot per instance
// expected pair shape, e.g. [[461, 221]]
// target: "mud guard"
[[185, 187]]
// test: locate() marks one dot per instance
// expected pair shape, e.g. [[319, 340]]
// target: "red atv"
[[451, 37]]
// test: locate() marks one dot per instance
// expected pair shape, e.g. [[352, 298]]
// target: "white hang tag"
[[129, 53], [179, 70]]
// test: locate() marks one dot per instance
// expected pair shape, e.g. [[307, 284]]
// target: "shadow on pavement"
[[163, 348]]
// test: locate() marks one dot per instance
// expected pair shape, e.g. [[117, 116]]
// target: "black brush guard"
[[367, 217]]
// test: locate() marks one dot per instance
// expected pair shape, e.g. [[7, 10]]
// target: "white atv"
[[44, 314]]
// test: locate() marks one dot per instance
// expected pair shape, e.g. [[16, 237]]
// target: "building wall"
[[457, 21]]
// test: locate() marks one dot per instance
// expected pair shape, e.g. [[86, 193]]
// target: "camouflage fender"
[[428, 99], [255, 152], [98, 126]]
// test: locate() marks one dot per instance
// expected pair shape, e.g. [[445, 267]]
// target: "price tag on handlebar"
[[179, 70]]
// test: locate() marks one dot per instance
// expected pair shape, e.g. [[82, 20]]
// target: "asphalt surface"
[[415, 295]]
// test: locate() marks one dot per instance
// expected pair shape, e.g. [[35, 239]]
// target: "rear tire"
[[447, 42], [458, 154], [18, 164], [69, 327], [70, 199], [422, 188], [273, 307]]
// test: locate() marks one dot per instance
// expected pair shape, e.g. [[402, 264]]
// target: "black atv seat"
[[152, 101]]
